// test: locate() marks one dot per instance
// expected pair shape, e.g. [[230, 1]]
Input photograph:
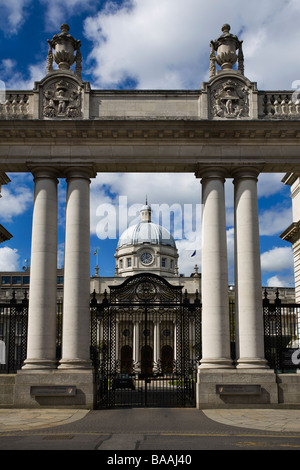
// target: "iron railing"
[[13, 334], [281, 334]]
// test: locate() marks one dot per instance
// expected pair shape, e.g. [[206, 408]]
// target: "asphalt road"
[[161, 434]]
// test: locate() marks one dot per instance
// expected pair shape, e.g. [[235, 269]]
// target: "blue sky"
[[150, 44]]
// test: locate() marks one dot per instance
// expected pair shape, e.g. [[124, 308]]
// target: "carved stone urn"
[[226, 47], [65, 46], [227, 44]]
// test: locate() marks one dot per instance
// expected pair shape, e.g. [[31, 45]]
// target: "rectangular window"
[[163, 262], [60, 279], [5, 280], [121, 264], [16, 280], [26, 279], [128, 262]]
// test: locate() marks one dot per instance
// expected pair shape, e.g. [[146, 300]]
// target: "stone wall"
[[7, 389]]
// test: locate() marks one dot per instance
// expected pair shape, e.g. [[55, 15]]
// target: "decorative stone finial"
[[225, 47], [146, 212], [64, 46]]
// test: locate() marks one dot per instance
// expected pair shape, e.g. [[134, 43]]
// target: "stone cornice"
[[292, 233], [4, 179], [4, 234], [188, 129]]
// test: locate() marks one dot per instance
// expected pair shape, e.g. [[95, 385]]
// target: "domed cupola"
[[146, 246]]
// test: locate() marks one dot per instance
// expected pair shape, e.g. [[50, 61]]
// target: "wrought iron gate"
[[282, 334], [13, 334], [146, 344]]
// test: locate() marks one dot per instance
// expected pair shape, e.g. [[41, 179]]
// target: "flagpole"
[[96, 267]]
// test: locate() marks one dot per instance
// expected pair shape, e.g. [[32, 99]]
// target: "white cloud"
[[17, 198], [270, 184], [60, 255], [166, 44], [9, 259], [13, 15], [275, 220], [58, 12], [277, 281], [14, 79], [277, 259]]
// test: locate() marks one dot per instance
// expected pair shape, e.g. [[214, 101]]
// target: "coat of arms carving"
[[230, 100], [62, 100]]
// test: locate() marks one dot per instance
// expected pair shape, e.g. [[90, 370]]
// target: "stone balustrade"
[[17, 106], [279, 105]]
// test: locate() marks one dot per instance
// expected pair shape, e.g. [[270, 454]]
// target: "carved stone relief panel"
[[62, 99], [229, 99]]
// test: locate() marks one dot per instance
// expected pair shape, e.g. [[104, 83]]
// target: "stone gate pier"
[[226, 129]]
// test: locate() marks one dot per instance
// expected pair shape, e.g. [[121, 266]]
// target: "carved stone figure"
[[230, 99], [62, 99]]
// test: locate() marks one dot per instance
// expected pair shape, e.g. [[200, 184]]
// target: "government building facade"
[[163, 337]]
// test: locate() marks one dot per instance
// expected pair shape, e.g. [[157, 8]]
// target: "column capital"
[[212, 172], [44, 172], [80, 172], [247, 172]]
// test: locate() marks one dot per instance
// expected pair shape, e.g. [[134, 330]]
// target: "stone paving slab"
[[25, 420], [266, 420]]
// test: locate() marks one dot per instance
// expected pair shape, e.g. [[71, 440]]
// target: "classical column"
[[250, 332], [215, 304], [41, 346], [76, 303]]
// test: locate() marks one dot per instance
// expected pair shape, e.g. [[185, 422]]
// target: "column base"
[[74, 364], [221, 363], [255, 363], [39, 364]]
